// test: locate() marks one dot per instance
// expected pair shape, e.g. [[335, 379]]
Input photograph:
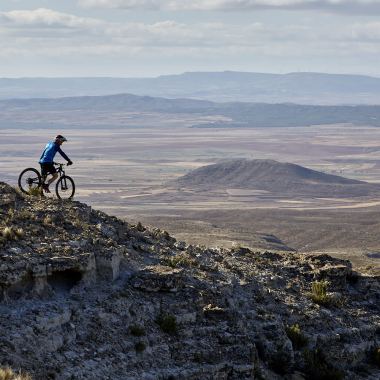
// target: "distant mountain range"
[[210, 114], [274, 177], [300, 88]]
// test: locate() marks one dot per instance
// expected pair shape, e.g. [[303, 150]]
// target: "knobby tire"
[[61, 194], [32, 175]]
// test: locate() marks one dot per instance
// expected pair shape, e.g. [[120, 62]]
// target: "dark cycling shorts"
[[48, 168]]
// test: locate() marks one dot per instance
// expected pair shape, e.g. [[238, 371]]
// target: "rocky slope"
[[88, 296]]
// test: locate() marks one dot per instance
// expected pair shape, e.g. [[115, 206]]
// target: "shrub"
[[166, 235], [295, 335], [9, 233], [8, 374], [47, 220], [178, 260], [140, 346], [316, 367], [19, 232], [279, 363], [140, 227], [136, 330], [35, 191], [319, 293], [167, 323], [375, 356]]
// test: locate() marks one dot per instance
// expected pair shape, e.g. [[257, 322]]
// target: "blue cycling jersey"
[[50, 150]]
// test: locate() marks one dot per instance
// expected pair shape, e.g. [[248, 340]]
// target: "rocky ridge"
[[87, 296]]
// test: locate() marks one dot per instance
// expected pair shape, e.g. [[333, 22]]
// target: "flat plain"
[[125, 171]]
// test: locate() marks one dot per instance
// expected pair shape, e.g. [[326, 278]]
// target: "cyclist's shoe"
[[45, 187]]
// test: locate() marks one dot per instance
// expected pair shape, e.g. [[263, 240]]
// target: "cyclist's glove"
[[69, 163]]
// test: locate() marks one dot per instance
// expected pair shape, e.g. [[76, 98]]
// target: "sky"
[[147, 38]]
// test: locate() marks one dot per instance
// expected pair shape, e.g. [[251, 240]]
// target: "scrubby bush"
[[167, 323], [9, 374], [19, 232], [10, 233], [47, 221], [295, 335], [180, 260], [140, 346], [140, 227], [317, 368], [375, 356], [137, 330], [319, 293], [279, 362], [35, 191]]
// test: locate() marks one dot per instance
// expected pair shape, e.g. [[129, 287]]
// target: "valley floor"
[[127, 177]]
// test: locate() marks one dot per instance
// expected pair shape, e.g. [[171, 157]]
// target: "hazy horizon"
[[149, 38], [185, 72]]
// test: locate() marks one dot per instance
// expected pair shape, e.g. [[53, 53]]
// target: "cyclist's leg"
[[44, 173], [53, 178], [46, 170]]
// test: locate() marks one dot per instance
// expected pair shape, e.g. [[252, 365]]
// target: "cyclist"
[[47, 160]]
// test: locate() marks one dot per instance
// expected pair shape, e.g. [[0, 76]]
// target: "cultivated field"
[[124, 171]]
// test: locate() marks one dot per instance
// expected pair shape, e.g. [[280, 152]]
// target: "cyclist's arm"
[[62, 153]]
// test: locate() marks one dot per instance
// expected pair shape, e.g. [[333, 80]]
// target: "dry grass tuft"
[[180, 260], [9, 374], [9, 233], [137, 330], [296, 336], [319, 293], [47, 221], [19, 232], [35, 191], [167, 323]]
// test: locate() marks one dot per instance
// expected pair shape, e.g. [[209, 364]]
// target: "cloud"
[[369, 32], [52, 34], [45, 18], [344, 6]]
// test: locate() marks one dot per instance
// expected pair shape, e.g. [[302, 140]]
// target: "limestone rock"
[[158, 278], [85, 296]]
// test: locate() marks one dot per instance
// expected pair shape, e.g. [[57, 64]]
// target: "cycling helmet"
[[60, 138]]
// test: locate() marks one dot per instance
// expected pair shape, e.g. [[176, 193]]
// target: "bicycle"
[[30, 182]]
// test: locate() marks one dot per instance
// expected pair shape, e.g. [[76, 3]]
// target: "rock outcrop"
[[87, 296]]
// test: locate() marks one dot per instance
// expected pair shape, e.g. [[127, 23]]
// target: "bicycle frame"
[[61, 172]]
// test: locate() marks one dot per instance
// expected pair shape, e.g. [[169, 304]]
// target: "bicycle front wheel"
[[65, 188], [30, 181]]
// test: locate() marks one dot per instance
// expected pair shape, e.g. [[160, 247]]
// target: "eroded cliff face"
[[88, 296]]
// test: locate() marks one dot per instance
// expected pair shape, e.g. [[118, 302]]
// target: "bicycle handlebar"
[[61, 164]]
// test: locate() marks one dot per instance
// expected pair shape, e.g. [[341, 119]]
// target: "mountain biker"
[[47, 160]]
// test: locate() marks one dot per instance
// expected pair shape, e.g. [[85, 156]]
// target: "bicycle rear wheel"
[[65, 188], [30, 181]]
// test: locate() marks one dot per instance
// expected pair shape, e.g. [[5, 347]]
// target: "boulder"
[[158, 278]]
